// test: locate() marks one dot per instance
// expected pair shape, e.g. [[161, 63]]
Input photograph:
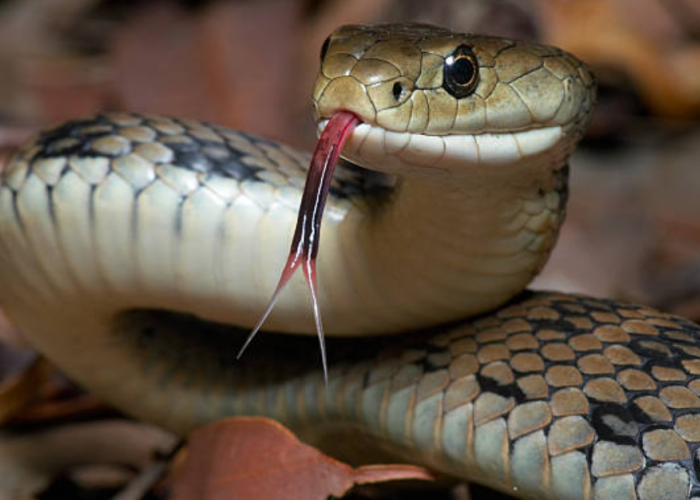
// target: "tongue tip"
[[307, 234]]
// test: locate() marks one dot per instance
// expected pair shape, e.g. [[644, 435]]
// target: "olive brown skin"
[[130, 245]]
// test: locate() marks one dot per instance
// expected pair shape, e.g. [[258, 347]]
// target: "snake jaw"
[[307, 234], [404, 153]]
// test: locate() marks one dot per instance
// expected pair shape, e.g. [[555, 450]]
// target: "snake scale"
[[129, 245]]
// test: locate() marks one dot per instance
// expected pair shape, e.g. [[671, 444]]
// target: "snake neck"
[[475, 242]]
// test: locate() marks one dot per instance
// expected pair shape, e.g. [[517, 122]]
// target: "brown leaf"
[[19, 390], [645, 51], [56, 408], [259, 459], [30, 461]]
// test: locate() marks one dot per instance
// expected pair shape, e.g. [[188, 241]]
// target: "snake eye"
[[324, 48], [461, 72]]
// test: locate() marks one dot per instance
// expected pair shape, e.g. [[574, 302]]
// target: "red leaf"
[[259, 459]]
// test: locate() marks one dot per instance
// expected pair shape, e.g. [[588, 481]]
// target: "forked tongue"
[[307, 234]]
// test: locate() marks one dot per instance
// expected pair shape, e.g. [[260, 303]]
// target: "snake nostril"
[[397, 90]]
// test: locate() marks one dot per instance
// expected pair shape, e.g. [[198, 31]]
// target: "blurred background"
[[633, 228]]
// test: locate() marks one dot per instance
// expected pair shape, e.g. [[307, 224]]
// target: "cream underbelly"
[[216, 250]]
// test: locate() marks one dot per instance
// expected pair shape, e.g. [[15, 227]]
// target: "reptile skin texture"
[[555, 395], [130, 244]]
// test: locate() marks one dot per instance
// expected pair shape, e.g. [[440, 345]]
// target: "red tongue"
[[308, 230]]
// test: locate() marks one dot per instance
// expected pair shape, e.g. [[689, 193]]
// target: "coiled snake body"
[[128, 241]]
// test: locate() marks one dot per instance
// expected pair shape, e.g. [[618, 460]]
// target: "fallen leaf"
[[18, 390], [259, 459], [31, 461], [56, 408], [647, 57]]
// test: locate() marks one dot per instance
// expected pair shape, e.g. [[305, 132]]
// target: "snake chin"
[[393, 152]]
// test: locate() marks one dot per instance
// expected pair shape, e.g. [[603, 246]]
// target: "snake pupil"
[[460, 73]]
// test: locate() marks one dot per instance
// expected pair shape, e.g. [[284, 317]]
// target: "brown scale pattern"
[[583, 397], [150, 145], [554, 396]]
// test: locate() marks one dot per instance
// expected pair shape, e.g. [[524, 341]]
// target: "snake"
[[137, 252]]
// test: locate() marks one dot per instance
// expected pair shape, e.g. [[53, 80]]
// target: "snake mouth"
[[345, 131], [379, 148]]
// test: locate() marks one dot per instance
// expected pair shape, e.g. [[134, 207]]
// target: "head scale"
[[418, 82]]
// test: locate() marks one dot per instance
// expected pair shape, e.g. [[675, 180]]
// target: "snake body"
[[128, 242]]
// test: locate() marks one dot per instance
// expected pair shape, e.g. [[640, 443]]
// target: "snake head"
[[430, 100], [430, 97]]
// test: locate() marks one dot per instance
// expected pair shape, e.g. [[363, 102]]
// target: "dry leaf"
[[30, 461], [55, 407], [19, 390], [645, 56], [259, 459]]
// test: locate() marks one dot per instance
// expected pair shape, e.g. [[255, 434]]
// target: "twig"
[[149, 476]]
